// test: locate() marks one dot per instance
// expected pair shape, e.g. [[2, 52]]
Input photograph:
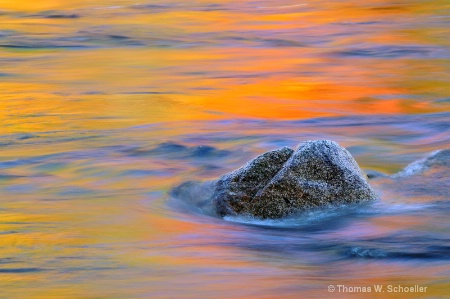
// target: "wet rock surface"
[[424, 179], [235, 192], [317, 174], [282, 182], [436, 160]]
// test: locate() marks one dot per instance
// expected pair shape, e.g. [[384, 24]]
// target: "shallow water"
[[106, 106]]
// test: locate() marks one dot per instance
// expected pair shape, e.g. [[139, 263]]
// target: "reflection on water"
[[105, 106]]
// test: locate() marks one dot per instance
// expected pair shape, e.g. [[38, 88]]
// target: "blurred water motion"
[[105, 106]]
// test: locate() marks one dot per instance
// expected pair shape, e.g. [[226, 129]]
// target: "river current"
[[105, 106]]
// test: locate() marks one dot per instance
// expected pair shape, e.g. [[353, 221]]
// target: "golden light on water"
[[123, 87]]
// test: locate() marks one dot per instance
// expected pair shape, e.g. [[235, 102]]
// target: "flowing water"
[[107, 105]]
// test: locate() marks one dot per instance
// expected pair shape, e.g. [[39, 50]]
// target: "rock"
[[233, 191], [282, 182], [426, 179], [435, 160], [195, 195], [373, 174]]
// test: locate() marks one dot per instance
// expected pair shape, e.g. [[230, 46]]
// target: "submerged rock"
[[373, 174], [196, 196], [282, 182], [434, 160], [424, 179]]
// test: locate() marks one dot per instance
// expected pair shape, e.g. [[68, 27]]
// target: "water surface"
[[106, 106]]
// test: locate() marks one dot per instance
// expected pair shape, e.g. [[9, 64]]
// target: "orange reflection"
[[277, 60]]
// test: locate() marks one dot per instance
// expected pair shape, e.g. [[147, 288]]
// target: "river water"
[[105, 106]]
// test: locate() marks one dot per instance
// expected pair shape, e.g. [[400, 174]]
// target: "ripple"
[[394, 51], [179, 151], [21, 270]]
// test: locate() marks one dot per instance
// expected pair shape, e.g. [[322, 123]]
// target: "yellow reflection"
[[50, 4], [196, 74], [112, 88]]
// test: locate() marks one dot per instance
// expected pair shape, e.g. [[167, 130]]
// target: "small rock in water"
[[196, 194], [424, 179], [282, 182], [436, 159], [373, 174]]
